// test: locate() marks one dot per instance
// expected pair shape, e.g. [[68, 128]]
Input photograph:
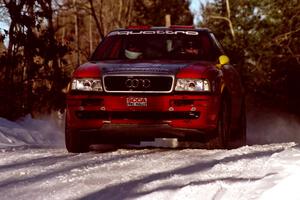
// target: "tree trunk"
[[99, 27]]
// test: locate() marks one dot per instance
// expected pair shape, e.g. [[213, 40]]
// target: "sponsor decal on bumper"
[[136, 101]]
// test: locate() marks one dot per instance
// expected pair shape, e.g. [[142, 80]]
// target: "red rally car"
[[143, 83]]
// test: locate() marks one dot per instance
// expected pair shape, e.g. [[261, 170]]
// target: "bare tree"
[[94, 19], [99, 20]]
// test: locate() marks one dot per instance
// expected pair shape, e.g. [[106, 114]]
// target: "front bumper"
[[199, 112]]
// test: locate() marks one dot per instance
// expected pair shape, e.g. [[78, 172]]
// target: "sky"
[[3, 26], [195, 9]]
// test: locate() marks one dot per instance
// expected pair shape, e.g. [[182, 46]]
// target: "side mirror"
[[223, 60]]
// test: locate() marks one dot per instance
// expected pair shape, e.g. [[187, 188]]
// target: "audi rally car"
[[143, 83]]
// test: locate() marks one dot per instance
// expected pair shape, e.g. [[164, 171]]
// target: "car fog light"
[[103, 108]]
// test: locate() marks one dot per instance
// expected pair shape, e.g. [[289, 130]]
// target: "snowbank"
[[31, 132]]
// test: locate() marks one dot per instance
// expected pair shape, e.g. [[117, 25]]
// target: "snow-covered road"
[[251, 172], [35, 165]]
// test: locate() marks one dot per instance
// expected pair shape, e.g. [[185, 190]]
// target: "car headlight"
[[193, 85], [87, 85]]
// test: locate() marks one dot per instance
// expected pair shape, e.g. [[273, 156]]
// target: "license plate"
[[136, 101]]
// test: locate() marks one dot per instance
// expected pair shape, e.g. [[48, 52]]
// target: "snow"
[[29, 132], [34, 164]]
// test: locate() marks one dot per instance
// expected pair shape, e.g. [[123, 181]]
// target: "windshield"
[[156, 45]]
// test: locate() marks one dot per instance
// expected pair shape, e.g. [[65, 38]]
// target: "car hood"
[[145, 67]]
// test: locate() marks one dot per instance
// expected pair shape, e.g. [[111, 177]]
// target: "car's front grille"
[[138, 83]]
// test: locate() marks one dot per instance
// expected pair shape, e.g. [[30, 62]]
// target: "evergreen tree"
[[31, 64], [266, 45]]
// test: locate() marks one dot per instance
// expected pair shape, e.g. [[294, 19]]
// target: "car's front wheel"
[[74, 142], [240, 133], [222, 132]]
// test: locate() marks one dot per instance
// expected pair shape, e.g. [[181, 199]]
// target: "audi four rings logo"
[[133, 83]]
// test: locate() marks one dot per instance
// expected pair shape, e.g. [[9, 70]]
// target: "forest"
[[47, 39]]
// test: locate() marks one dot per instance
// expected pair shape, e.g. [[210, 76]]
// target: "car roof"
[[172, 27]]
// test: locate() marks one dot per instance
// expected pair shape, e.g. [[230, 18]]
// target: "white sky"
[[195, 4], [195, 8], [3, 26]]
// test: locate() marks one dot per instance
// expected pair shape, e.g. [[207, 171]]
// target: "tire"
[[74, 142], [240, 134], [222, 132]]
